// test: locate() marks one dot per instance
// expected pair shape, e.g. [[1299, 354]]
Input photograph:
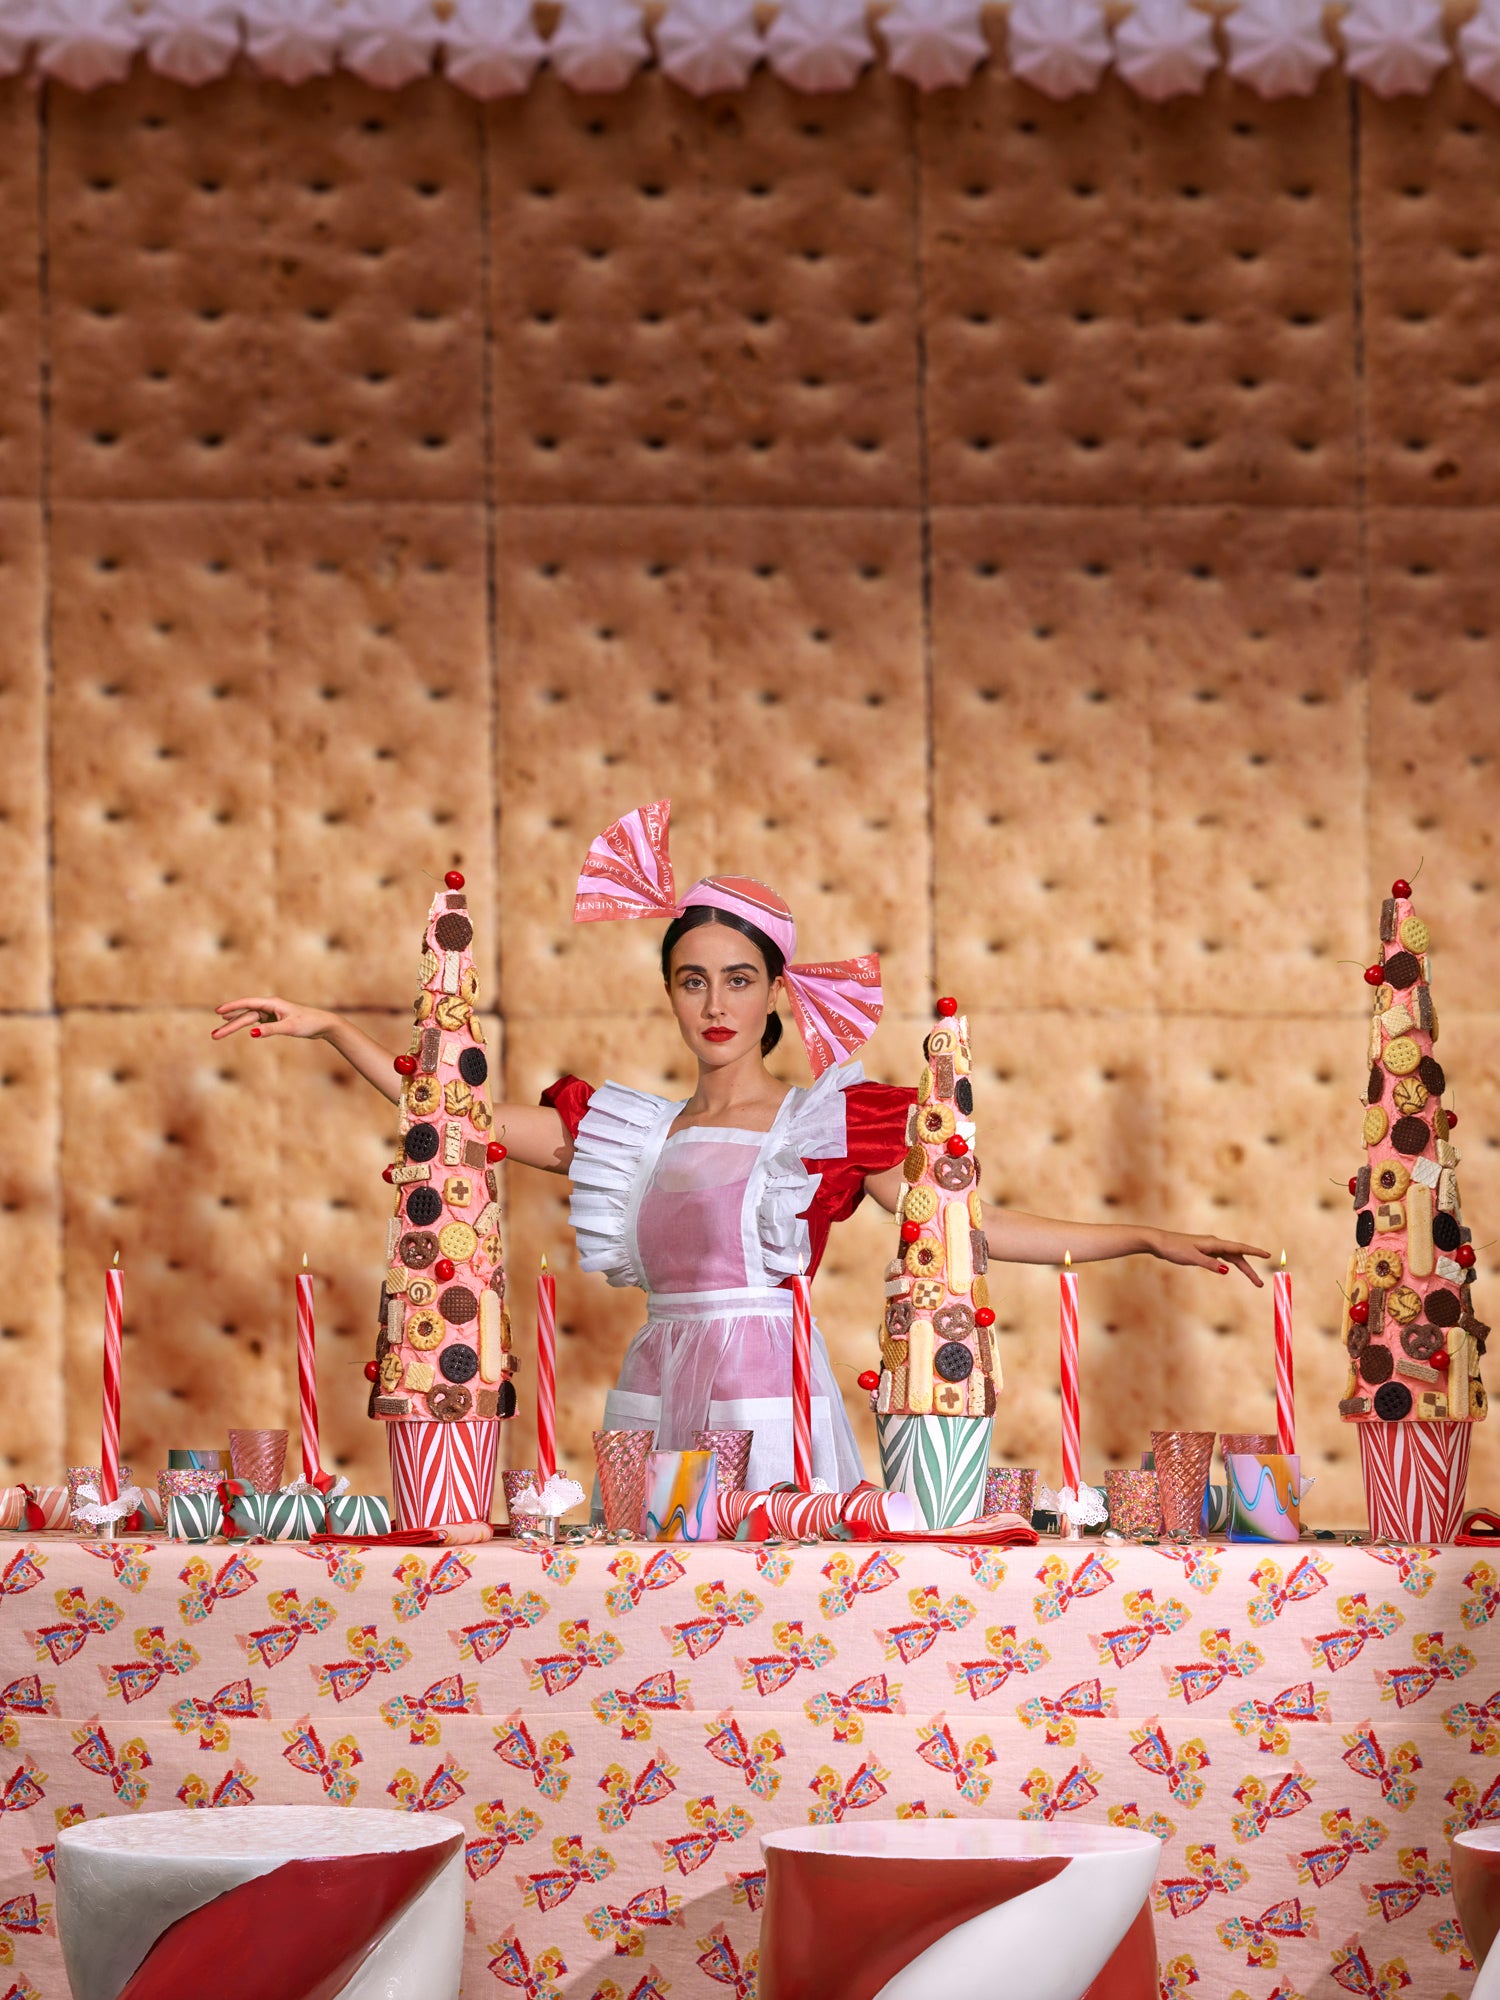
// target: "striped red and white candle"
[[546, 1375], [1072, 1474], [1286, 1408], [801, 1383], [114, 1327], [307, 1373]]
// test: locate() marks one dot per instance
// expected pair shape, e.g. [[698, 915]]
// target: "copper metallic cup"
[[1182, 1463], [1010, 1489], [258, 1456], [733, 1451], [621, 1458], [1134, 1501]]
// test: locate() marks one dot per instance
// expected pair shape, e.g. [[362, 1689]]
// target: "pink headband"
[[628, 873]]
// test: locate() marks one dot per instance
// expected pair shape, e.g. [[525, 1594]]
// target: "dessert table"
[[1303, 1727]]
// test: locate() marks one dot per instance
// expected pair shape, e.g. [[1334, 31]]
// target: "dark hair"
[[701, 914]]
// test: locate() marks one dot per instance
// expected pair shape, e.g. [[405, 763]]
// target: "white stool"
[[957, 1909], [1476, 1890], [255, 1901]]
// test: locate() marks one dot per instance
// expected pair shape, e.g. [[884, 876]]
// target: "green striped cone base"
[[939, 1461]]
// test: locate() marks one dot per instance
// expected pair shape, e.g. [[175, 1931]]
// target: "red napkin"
[[1481, 1530]]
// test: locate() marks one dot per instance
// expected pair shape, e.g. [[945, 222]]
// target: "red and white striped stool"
[[945, 1909], [295, 1901], [1476, 1891]]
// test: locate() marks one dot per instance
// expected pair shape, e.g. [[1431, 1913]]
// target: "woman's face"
[[721, 993]]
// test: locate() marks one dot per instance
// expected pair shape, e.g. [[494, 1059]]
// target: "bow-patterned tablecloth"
[[1302, 1727]]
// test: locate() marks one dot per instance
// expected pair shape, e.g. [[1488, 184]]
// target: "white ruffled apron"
[[708, 1221]]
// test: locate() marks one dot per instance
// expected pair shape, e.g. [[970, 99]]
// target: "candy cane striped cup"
[[441, 1473], [1415, 1475]]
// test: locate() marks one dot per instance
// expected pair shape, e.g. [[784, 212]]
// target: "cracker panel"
[[383, 725], [158, 290], [171, 1154], [599, 294], [1435, 733], [374, 332], [1430, 228], [31, 1241], [821, 732], [1258, 720], [25, 886], [606, 696], [811, 341], [161, 734], [1041, 757], [1263, 1156], [20, 301], [1245, 259], [1032, 386]]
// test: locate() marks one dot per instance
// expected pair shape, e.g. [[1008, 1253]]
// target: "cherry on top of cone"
[[1400, 887], [947, 1006], [453, 880]]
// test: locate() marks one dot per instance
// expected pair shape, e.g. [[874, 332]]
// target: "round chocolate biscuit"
[[1402, 970], [473, 1067], [452, 931], [507, 1404], [458, 1305], [1392, 1402], [447, 1402], [417, 1249], [898, 1318], [963, 1097], [1430, 1070], [422, 1143], [458, 1363], [1364, 1228], [953, 1362], [1421, 1341], [1443, 1307], [1376, 1364], [1376, 1087], [423, 1206], [1446, 1233], [953, 1174], [1410, 1136]]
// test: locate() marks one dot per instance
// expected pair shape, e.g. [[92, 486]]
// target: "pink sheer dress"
[[711, 1222]]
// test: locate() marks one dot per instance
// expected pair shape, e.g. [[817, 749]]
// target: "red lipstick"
[[718, 1034]]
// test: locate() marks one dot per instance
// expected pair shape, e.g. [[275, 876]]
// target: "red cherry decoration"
[[1400, 888], [1374, 975], [453, 879], [1353, 1184], [1359, 1312], [1439, 1360], [385, 1174], [494, 1152], [1464, 1255], [1452, 1118], [958, 1145], [406, 1065], [985, 1316], [372, 1369], [869, 1379], [947, 1005], [910, 1231], [442, 1270]]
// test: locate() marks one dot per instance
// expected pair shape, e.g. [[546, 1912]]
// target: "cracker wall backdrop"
[[1052, 543]]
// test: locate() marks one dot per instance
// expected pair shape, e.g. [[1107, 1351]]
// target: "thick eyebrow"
[[744, 966]]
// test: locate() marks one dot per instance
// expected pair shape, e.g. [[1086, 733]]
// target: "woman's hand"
[[272, 1017], [1209, 1253]]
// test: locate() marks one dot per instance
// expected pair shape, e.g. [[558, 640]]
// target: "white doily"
[[1278, 47], [1079, 1507], [1394, 47], [1059, 47], [491, 47], [820, 45], [709, 45], [96, 1511], [598, 45], [935, 44], [1165, 48], [560, 1495], [388, 42]]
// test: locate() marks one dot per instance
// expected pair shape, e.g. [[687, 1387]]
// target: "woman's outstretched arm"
[[533, 1134], [1015, 1238]]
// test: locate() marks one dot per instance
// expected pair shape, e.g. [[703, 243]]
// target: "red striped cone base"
[[1415, 1475], [442, 1473]]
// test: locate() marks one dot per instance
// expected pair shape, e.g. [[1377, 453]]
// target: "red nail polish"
[[1223, 1270], [255, 1034]]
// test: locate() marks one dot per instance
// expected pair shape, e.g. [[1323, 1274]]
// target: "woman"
[[713, 1204]]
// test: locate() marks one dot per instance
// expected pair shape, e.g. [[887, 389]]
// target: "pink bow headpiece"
[[628, 873]]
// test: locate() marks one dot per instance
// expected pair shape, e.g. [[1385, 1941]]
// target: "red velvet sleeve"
[[875, 1116], [569, 1097]]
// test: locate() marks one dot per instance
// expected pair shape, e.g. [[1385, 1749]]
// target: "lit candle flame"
[[116, 1260], [304, 1260], [1283, 1260], [544, 1260], [1068, 1259]]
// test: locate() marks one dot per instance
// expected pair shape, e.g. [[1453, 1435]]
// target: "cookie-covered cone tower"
[[1410, 1328], [443, 1356], [940, 1368]]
